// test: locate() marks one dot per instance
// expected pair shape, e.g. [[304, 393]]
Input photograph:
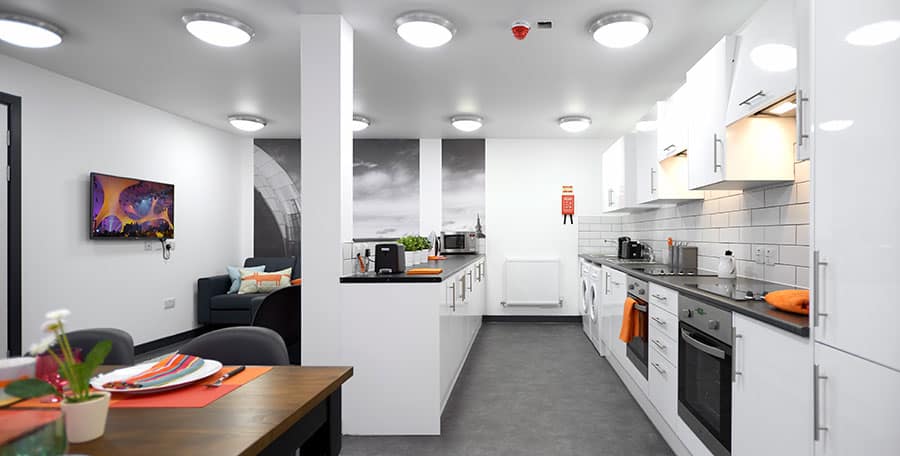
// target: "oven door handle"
[[712, 351], [640, 308]]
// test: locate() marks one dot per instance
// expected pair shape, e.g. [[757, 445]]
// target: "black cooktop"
[[665, 270], [740, 289]]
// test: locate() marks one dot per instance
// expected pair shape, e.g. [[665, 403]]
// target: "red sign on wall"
[[568, 203]]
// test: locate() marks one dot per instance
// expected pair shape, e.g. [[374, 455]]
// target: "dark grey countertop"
[[698, 287], [452, 265]]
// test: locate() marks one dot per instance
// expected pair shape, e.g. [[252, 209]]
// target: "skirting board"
[[531, 319]]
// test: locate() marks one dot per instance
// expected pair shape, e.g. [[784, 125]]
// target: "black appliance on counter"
[[638, 347], [705, 372], [390, 258], [630, 250]]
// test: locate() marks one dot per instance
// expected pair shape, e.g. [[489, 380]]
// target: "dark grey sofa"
[[216, 307]]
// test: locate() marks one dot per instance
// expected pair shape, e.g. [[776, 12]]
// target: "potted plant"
[[416, 248], [408, 244], [84, 410]]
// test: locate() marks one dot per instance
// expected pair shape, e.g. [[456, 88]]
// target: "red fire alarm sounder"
[[568, 204]]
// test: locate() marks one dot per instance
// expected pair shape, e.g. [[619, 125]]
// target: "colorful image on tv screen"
[[131, 208]]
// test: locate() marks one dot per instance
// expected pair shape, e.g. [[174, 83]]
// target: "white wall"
[[523, 188], [70, 129]]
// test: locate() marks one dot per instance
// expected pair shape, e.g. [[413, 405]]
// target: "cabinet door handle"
[[606, 287], [817, 424], [669, 147], [652, 187], [659, 344], [610, 203], [749, 100], [716, 142], [734, 337], [817, 289], [453, 303], [660, 297], [801, 136], [659, 321], [615, 283], [658, 368]]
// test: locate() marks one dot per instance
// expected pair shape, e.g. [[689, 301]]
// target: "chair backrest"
[[122, 344], [240, 345], [273, 264], [280, 312]]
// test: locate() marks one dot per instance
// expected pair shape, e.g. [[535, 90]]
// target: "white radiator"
[[532, 282]]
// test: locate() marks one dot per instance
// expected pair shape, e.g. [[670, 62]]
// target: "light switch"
[[771, 255], [758, 255]]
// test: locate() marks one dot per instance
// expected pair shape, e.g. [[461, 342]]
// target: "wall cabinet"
[[802, 19], [615, 165], [771, 391], [856, 408], [662, 182], [672, 125], [854, 176], [766, 65]]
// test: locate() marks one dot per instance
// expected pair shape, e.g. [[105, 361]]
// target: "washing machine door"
[[584, 295], [592, 306]]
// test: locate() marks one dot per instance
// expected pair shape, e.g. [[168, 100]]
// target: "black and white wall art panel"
[[385, 188], [463, 184], [276, 204]]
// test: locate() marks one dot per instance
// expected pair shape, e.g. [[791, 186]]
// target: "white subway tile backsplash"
[[719, 220], [803, 234], [750, 269], [780, 196], [801, 171], [709, 235], [781, 274], [739, 218], [796, 214], [780, 234], [803, 277], [802, 190], [710, 206], [753, 234], [729, 235], [796, 255], [765, 216], [754, 199], [730, 203]]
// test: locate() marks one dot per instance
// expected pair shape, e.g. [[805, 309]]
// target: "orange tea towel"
[[796, 301], [424, 271], [436, 257], [632, 322]]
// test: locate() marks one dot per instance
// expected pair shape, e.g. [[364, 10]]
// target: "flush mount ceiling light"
[[29, 32], [217, 29], [645, 125], [574, 124], [782, 108], [360, 123], [425, 30], [875, 34], [466, 123], [621, 29], [835, 125], [245, 122], [774, 57]]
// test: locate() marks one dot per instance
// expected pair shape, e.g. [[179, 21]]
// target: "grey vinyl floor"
[[531, 389]]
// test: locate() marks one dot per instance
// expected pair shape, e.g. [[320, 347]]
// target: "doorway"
[[11, 226]]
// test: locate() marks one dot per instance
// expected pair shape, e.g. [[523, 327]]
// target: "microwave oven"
[[459, 242]]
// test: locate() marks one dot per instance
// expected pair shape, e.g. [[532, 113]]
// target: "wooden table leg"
[[326, 441]]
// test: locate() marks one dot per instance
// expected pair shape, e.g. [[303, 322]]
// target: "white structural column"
[[326, 111], [430, 209]]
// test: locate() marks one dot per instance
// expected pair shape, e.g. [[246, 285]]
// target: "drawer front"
[[663, 321], [664, 298], [663, 379], [662, 344]]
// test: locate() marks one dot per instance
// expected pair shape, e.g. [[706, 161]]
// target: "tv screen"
[[126, 208]]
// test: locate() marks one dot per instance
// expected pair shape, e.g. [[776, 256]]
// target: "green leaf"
[[97, 355], [29, 388]]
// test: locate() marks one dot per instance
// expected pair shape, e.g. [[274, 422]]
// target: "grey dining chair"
[[240, 345], [122, 352]]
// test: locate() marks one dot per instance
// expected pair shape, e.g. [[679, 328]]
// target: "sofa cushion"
[[234, 272], [264, 282], [237, 301], [276, 264]]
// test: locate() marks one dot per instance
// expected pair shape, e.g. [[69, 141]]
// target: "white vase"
[[86, 421], [410, 258]]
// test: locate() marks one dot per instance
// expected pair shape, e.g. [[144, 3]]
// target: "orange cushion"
[[796, 301], [296, 281]]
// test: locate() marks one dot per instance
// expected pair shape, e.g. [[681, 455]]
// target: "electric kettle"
[[727, 266]]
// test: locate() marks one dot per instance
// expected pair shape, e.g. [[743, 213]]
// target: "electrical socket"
[[168, 303], [771, 255], [148, 246], [758, 255]]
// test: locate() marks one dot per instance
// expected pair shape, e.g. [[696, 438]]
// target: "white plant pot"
[[86, 421], [423, 256], [410, 258]]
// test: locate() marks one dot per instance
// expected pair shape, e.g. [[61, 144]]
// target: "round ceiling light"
[[774, 57], [466, 123], [217, 29], [29, 32], [645, 125], [621, 30], [574, 124], [360, 123], [875, 34], [425, 30], [244, 122]]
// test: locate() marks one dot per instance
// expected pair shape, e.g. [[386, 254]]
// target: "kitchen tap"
[[648, 251]]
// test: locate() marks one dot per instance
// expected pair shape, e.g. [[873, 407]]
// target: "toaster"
[[390, 258]]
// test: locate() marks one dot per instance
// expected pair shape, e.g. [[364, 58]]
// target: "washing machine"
[[594, 297], [584, 300]]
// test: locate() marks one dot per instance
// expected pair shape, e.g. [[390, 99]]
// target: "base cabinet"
[[771, 391], [857, 405]]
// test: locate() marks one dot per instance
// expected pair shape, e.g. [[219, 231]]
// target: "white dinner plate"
[[209, 367]]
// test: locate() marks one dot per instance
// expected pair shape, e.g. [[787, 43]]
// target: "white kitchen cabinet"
[[614, 170], [612, 312], [752, 152], [802, 19], [854, 181], [661, 182], [856, 406], [672, 124], [771, 391], [663, 386], [764, 70]]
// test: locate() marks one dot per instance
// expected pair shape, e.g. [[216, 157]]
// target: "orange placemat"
[[17, 423], [194, 396]]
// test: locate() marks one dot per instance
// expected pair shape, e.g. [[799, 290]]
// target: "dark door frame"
[[14, 221]]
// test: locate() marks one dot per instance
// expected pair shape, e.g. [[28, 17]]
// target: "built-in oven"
[[638, 346], [705, 372], [459, 242]]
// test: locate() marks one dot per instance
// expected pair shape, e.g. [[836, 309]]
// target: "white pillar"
[[326, 166], [430, 200]]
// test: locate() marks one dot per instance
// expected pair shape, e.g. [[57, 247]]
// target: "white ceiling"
[[140, 49]]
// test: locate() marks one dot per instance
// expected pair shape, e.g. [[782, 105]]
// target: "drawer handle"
[[618, 284], [658, 368], [659, 344], [659, 321], [660, 297]]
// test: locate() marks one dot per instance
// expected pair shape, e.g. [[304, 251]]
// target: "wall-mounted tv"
[[127, 208]]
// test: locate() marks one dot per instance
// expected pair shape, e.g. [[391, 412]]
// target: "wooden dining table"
[[287, 408]]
